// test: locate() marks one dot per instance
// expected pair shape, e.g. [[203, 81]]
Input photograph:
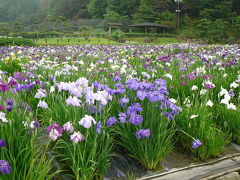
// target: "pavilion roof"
[[115, 24]]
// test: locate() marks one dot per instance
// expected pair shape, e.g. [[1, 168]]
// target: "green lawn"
[[73, 41], [78, 41]]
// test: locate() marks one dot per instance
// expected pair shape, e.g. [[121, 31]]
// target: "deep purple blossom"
[[2, 143], [10, 101], [9, 108], [4, 87], [1, 107]]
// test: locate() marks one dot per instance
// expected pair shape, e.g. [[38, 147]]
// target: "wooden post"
[[110, 30]]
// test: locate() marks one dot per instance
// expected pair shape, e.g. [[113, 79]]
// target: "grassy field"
[[78, 41], [73, 41]]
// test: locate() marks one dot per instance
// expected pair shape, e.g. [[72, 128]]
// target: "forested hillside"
[[196, 16]]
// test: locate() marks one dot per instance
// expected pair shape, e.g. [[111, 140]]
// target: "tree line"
[[218, 19]]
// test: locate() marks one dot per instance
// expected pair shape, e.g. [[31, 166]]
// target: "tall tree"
[[97, 8], [145, 12], [4, 29]]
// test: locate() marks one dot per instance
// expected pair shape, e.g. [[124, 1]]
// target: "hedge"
[[16, 42]]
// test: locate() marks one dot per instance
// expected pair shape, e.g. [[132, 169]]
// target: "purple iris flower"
[[2, 143], [135, 119], [196, 144], [160, 82], [209, 86], [1, 107], [117, 78], [12, 82], [122, 117], [169, 115], [123, 101], [141, 95], [98, 127], [191, 76], [4, 87], [207, 77], [143, 132], [9, 108], [155, 96], [111, 121], [231, 93], [134, 108], [120, 91], [5, 167]]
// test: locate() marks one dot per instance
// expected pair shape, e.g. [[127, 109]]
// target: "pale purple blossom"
[[77, 137], [87, 121], [42, 104], [68, 127]]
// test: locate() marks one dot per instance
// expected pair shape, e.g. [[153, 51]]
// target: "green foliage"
[[25, 152], [214, 31], [31, 35], [237, 28], [167, 18], [203, 128], [16, 41], [117, 35], [96, 8], [229, 120], [148, 35], [145, 12], [4, 29], [11, 65]]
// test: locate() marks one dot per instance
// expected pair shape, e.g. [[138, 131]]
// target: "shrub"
[[117, 35], [16, 42]]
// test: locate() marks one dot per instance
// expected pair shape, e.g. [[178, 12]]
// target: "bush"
[[117, 35], [16, 42]]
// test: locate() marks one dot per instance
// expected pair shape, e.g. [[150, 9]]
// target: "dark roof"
[[114, 24], [148, 25]]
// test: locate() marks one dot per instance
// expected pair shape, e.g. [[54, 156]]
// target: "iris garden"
[[76, 103]]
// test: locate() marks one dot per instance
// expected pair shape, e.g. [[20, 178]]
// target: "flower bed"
[[147, 99]]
